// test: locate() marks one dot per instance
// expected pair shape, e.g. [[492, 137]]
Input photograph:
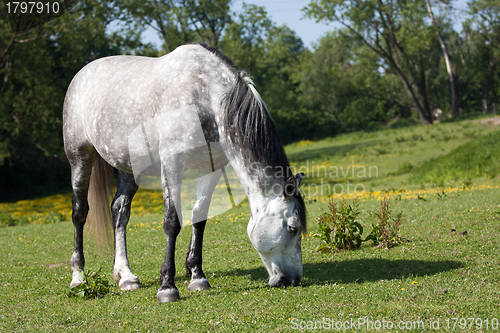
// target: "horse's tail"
[[99, 196]]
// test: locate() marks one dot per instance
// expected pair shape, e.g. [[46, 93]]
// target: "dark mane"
[[249, 122], [250, 126]]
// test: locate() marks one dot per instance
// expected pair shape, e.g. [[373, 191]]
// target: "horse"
[[189, 109]]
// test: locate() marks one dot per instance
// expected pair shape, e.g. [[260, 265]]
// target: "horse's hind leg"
[[81, 169], [120, 209], [204, 190]]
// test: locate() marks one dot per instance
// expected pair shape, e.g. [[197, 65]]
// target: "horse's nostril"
[[296, 282], [279, 281]]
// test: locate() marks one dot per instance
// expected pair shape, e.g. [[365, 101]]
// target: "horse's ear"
[[292, 185]]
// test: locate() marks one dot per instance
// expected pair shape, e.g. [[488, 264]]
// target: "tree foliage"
[[385, 66], [36, 67], [396, 31], [483, 34], [177, 21]]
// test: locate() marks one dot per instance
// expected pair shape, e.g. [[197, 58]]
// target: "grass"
[[372, 163], [377, 161], [439, 274], [478, 158]]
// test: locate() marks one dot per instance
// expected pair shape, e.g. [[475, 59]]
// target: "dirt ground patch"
[[494, 121]]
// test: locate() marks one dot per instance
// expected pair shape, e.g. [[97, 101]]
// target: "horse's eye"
[[293, 230]]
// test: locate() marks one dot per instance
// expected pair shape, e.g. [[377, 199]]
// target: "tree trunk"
[[489, 83], [425, 109], [485, 103], [425, 112], [425, 115], [449, 66]]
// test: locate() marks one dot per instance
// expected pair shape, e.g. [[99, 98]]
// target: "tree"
[[160, 15], [245, 38], [36, 67], [209, 18], [396, 31], [449, 65], [178, 21], [342, 82], [271, 54], [485, 24]]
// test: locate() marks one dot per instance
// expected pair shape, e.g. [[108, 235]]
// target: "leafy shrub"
[[7, 220], [466, 183], [338, 229], [400, 139], [405, 168], [93, 286], [385, 232], [417, 137]]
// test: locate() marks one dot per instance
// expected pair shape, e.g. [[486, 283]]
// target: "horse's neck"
[[257, 184]]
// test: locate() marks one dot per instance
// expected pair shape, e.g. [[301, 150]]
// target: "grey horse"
[[190, 109]]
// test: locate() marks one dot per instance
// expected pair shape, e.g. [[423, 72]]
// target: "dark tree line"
[[392, 63]]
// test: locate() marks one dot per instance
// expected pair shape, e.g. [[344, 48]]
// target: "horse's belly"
[[171, 138]]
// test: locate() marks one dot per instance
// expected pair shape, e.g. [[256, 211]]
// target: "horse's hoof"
[[74, 284], [167, 295], [199, 284], [76, 280], [130, 284]]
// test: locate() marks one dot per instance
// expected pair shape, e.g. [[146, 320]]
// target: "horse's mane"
[[248, 121], [251, 127]]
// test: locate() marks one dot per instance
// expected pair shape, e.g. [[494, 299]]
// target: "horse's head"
[[275, 230]]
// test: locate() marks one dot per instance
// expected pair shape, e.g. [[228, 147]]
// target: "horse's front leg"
[[120, 209], [168, 292], [204, 190]]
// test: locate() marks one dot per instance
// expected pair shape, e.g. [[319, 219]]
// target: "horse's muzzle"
[[281, 281]]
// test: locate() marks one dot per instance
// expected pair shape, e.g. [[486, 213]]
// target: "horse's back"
[[114, 97]]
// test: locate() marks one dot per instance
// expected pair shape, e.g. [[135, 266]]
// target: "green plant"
[[93, 286], [417, 137], [406, 167], [8, 220], [338, 229], [53, 217], [385, 232], [466, 183], [441, 195]]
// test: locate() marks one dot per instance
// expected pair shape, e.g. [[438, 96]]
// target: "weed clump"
[[385, 232], [338, 229], [93, 286]]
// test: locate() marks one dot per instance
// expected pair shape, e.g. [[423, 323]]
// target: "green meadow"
[[444, 277]]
